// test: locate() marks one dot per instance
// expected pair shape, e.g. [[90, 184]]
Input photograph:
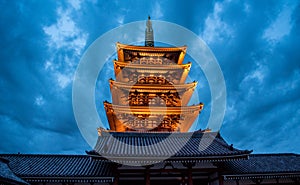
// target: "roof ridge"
[[219, 138], [43, 155], [275, 154]]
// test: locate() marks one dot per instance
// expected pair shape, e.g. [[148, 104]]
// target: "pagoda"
[[148, 141], [150, 93]]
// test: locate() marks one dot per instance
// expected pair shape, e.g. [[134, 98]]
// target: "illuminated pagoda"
[[150, 93], [148, 140]]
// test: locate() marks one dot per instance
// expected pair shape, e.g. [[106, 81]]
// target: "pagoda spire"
[[149, 39]]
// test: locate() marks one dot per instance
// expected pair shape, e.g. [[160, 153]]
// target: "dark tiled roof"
[[179, 146], [265, 165], [31, 167], [7, 176], [82, 168]]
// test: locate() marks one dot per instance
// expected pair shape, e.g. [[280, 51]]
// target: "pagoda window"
[[142, 81], [151, 60]]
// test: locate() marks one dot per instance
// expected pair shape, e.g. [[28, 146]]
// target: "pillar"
[[190, 178], [147, 175], [117, 174], [214, 179]]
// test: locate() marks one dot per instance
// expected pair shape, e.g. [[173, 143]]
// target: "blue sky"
[[256, 44]]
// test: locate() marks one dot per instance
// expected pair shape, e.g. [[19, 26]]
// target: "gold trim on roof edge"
[[153, 66], [146, 48], [154, 109], [191, 85]]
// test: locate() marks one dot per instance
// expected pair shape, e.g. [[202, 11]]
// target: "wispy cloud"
[[120, 19], [258, 74], [156, 11], [76, 4], [215, 29], [67, 41], [281, 26], [64, 34], [39, 100]]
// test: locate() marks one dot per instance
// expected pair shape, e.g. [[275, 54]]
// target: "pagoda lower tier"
[[151, 94], [151, 74], [151, 118]]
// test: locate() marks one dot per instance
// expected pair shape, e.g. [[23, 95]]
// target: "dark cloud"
[[264, 88], [34, 117]]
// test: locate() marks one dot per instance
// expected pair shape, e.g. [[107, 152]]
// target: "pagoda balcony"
[[151, 73]]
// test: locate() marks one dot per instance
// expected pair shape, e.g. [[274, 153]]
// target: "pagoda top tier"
[[158, 55]]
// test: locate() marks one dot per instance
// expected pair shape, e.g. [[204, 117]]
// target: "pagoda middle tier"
[[150, 93]]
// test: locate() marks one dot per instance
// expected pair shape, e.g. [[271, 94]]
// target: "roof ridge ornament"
[[149, 38]]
